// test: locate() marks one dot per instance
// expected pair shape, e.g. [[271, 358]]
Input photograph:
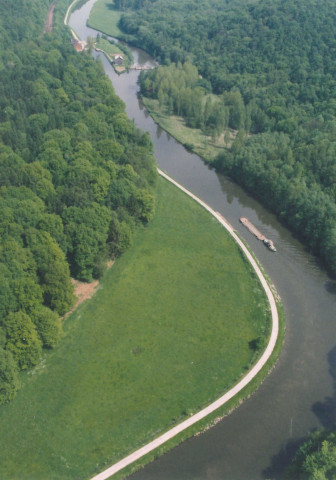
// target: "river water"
[[257, 439]]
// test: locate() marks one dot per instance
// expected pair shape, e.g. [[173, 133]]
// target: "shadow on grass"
[[325, 411], [112, 7]]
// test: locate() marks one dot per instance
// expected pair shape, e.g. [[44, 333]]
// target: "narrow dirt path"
[[234, 390], [49, 20], [83, 291]]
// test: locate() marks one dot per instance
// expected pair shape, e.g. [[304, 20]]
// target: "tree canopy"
[[272, 67], [315, 459]]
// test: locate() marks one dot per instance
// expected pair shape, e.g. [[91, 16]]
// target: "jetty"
[[141, 67], [251, 228]]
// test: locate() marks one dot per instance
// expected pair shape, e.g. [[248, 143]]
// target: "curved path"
[[66, 18], [233, 391]]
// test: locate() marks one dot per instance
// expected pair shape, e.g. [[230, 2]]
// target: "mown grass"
[[212, 419], [108, 47], [167, 332], [105, 18]]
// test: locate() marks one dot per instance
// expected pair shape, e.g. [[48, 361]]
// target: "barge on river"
[[257, 234]]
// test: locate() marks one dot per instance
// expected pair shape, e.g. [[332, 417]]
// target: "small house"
[[119, 59], [79, 45]]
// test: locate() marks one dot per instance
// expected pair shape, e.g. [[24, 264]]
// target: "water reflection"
[[331, 286], [158, 132], [281, 461], [324, 410]]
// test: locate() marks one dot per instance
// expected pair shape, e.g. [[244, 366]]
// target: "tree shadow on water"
[[330, 286], [325, 411], [282, 460]]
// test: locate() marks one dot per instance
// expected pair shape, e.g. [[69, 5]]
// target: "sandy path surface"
[[49, 20], [82, 292], [234, 390]]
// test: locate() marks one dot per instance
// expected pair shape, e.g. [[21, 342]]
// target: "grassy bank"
[[111, 49], [105, 18], [169, 330], [192, 138]]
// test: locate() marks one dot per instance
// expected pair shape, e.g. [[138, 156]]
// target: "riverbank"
[[237, 400], [234, 391], [280, 412], [193, 139]]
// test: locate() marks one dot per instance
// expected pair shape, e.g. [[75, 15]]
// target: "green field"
[[167, 332], [108, 47], [104, 17]]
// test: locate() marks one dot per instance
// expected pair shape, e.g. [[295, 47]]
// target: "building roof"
[[78, 44]]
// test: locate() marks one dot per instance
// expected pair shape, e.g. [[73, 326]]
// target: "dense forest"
[[76, 179], [271, 66]]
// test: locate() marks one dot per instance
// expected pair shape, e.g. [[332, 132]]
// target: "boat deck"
[[252, 228]]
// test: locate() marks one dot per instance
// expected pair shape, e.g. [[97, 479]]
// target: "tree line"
[[184, 92], [272, 66], [180, 89], [76, 180]]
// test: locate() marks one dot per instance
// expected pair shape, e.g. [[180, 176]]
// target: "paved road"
[[237, 388]]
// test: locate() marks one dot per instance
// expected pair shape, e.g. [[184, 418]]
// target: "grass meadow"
[[169, 330], [105, 18]]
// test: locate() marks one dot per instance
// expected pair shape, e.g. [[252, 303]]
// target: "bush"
[[22, 340], [48, 326]]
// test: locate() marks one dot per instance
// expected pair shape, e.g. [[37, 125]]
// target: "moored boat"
[[251, 228]]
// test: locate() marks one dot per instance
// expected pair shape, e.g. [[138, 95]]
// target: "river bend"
[[256, 440]]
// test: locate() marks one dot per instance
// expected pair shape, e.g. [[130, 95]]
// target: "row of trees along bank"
[[76, 179], [272, 68]]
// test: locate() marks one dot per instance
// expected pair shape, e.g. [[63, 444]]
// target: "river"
[[256, 440]]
